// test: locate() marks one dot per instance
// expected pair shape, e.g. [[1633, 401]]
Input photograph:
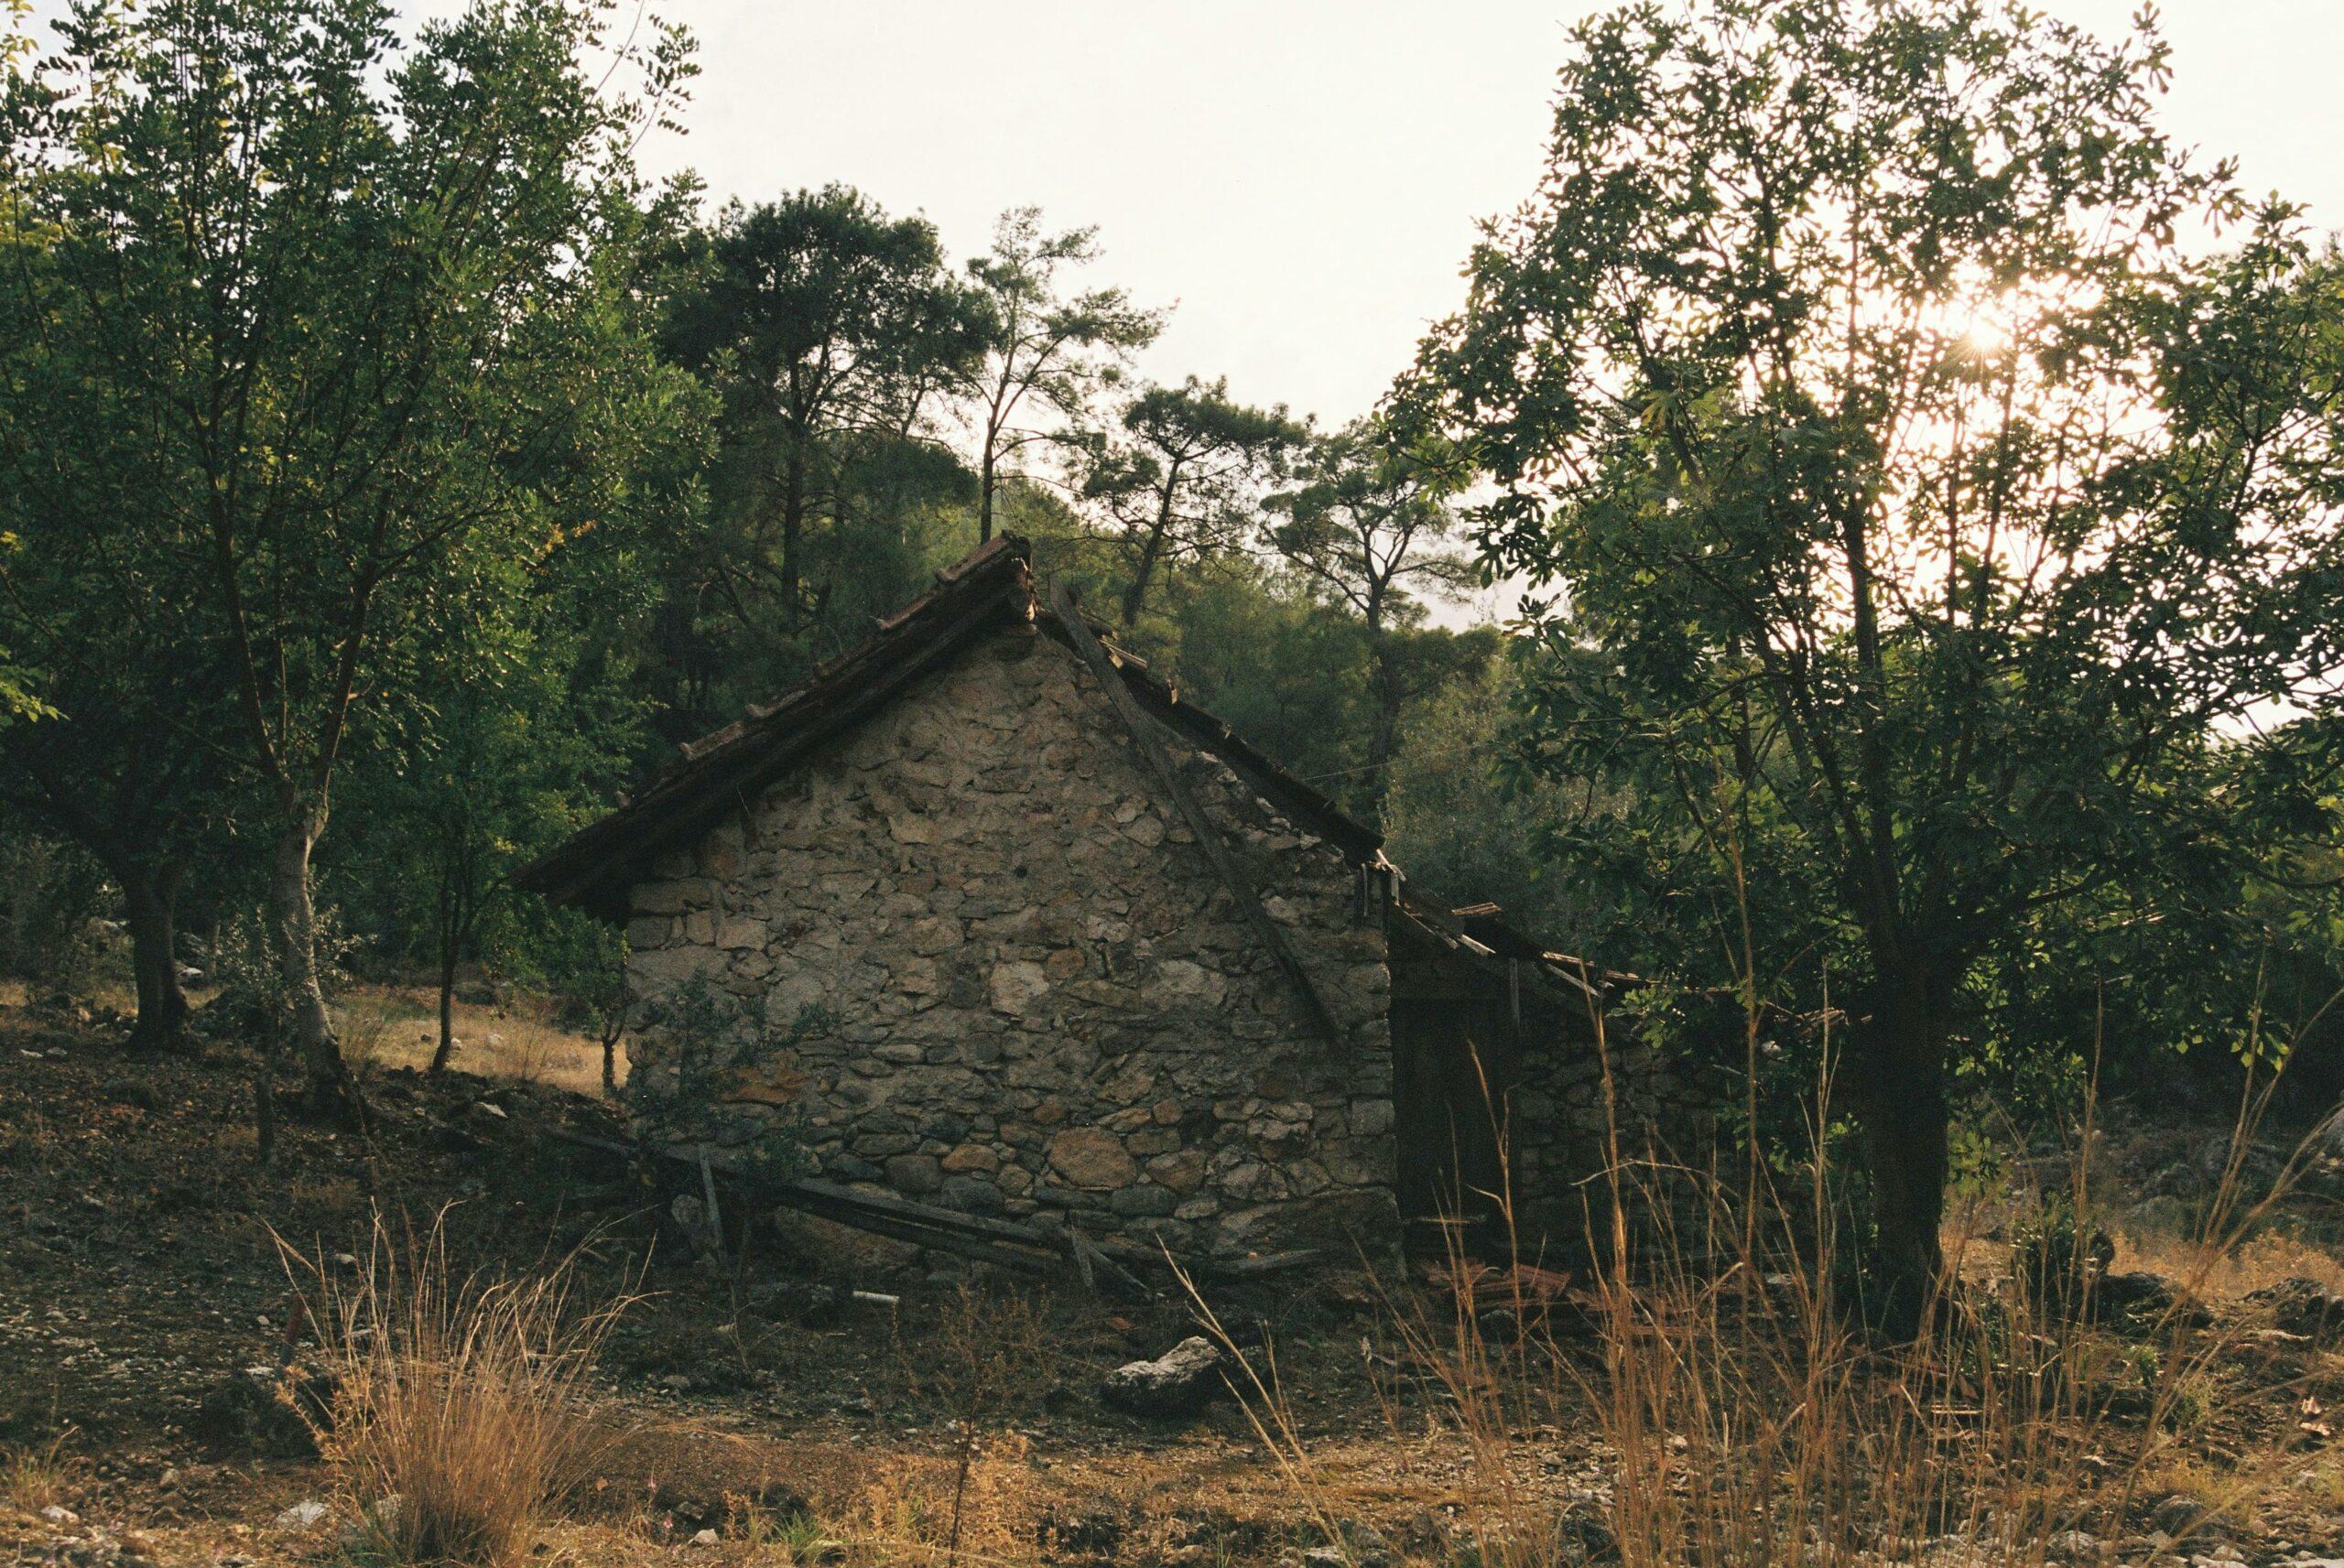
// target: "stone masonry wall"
[[1562, 1129], [969, 954]]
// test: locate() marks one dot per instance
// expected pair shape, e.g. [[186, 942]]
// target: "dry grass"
[[2252, 1263], [399, 1026], [980, 1507], [33, 1478], [464, 1399], [394, 1026], [1749, 1419]]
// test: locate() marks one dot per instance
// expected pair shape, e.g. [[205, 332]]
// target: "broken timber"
[[1032, 1249], [1208, 839]]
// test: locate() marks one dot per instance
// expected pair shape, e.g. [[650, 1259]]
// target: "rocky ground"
[[759, 1411]]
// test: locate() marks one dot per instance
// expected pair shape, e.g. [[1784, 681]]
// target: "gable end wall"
[[988, 966]]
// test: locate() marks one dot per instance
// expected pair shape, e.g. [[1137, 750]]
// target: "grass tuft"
[[460, 1416], [33, 1478]]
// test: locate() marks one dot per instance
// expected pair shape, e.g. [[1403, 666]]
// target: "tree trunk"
[[328, 1087], [1135, 591], [447, 1046], [1384, 737], [150, 899], [1901, 1112], [984, 497], [793, 526]]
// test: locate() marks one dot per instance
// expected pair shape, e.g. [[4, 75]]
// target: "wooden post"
[[1216, 849], [708, 1194]]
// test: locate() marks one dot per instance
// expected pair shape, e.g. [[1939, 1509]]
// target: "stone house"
[[986, 913]]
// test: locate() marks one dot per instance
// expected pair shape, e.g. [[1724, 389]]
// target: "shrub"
[[712, 1064], [2057, 1256], [50, 896]]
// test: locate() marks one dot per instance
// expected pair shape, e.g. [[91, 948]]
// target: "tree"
[[1365, 527], [1463, 822], [1184, 478], [320, 314], [1936, 526], [833, 330], [512, 738], [1046, 356], [122, 766]]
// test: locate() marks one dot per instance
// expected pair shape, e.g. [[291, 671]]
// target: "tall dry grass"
[[461, 1411], [1747, 1418]]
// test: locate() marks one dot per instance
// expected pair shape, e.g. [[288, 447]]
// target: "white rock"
[[705, 1538], [60, 1516], [302, 1516], [1177, 982], [2073, 1545]]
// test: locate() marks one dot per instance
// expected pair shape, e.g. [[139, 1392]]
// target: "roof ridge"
[[736, 760]]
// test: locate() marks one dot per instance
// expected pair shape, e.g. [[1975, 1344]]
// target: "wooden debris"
[[1011, 1244], [708, 1192]]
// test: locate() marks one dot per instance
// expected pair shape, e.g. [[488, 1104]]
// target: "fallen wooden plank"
[[994, 1252]]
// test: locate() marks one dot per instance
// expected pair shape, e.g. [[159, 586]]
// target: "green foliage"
[[257, 1000], [312, 338], [833, 332], [50, 900], [17, 699], [1466, 820], [2058, 1254], [1181, 481]]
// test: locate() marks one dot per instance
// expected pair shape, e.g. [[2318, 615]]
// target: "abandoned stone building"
[[993, 917]]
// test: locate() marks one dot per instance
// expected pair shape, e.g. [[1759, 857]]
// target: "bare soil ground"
[[142, 1265]]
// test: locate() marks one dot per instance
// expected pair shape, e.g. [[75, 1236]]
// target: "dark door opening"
[[1453, 1061]]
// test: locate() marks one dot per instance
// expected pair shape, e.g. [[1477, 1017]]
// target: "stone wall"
[[1562, 1132], [967, 953]]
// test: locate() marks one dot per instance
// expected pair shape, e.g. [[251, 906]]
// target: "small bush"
[[2057, 1256], [50, 897], [713, 1059], [461, 1399]]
